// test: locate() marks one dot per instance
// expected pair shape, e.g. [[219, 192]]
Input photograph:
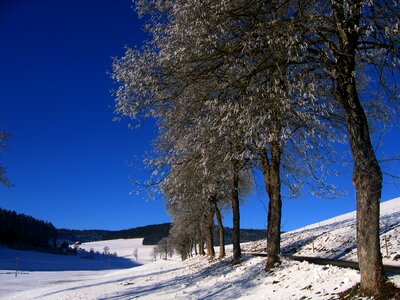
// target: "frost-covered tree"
[[339, 39], [196, 188], [190, 213], [244, 64]]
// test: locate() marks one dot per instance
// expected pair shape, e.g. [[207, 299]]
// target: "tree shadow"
[[116, 281], [295, 246], [389, 222], [182, 286]]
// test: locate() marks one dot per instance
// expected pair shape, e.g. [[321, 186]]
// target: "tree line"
[[24, 231], [239, 85], [151, 234]]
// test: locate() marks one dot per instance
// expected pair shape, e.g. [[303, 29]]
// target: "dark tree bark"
[[201, 246], [367, 175], [210, 233], [220, 230], [236, 215], [367, 179], [271, 172], [195, 246]]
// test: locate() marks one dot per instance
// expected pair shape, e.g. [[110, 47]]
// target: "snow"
[[46, 276]]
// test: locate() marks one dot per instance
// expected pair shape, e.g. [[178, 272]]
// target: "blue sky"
[[68, 159]]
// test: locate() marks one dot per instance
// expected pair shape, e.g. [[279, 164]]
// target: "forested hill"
[[24, 231], [152, 234]]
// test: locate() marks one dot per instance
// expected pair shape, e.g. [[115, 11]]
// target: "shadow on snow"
[[215, 273], [11, 259]]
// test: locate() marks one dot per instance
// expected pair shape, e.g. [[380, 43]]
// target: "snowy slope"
[[336, 237], [124, 248], [198, 278]]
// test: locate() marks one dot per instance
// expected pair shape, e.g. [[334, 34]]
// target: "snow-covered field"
[[46, 276]]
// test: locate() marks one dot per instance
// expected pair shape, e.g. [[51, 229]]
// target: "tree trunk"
[[271, 172], [201, 245], [183, 255], [367, 175], [367, 179], [207, 237], [195, 246], [210, 233], [221, 231], [236, 215]]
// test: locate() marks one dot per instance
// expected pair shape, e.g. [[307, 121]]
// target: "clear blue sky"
[[68, 159]]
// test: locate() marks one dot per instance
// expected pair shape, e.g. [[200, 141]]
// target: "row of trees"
[[25, 231], [242, 84], [164, 248]]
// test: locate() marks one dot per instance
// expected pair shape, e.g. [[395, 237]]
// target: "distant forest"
[[151, 234], [19, 230]]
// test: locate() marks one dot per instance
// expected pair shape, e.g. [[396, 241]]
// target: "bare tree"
[[164, 248], [154, 253], [221, 230]]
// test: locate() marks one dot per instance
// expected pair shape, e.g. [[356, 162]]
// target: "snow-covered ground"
[[45, 276]]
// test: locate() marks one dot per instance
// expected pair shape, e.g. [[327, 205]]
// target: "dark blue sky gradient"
[[67, 158]]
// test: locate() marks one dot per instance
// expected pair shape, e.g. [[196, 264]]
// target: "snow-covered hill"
[[124, 249], [198, 278], [336, 237]]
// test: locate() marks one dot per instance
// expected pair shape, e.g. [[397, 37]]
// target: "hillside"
[[335, 238], [23, 231]]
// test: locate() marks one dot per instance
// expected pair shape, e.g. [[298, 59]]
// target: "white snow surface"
[[47, 276]]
